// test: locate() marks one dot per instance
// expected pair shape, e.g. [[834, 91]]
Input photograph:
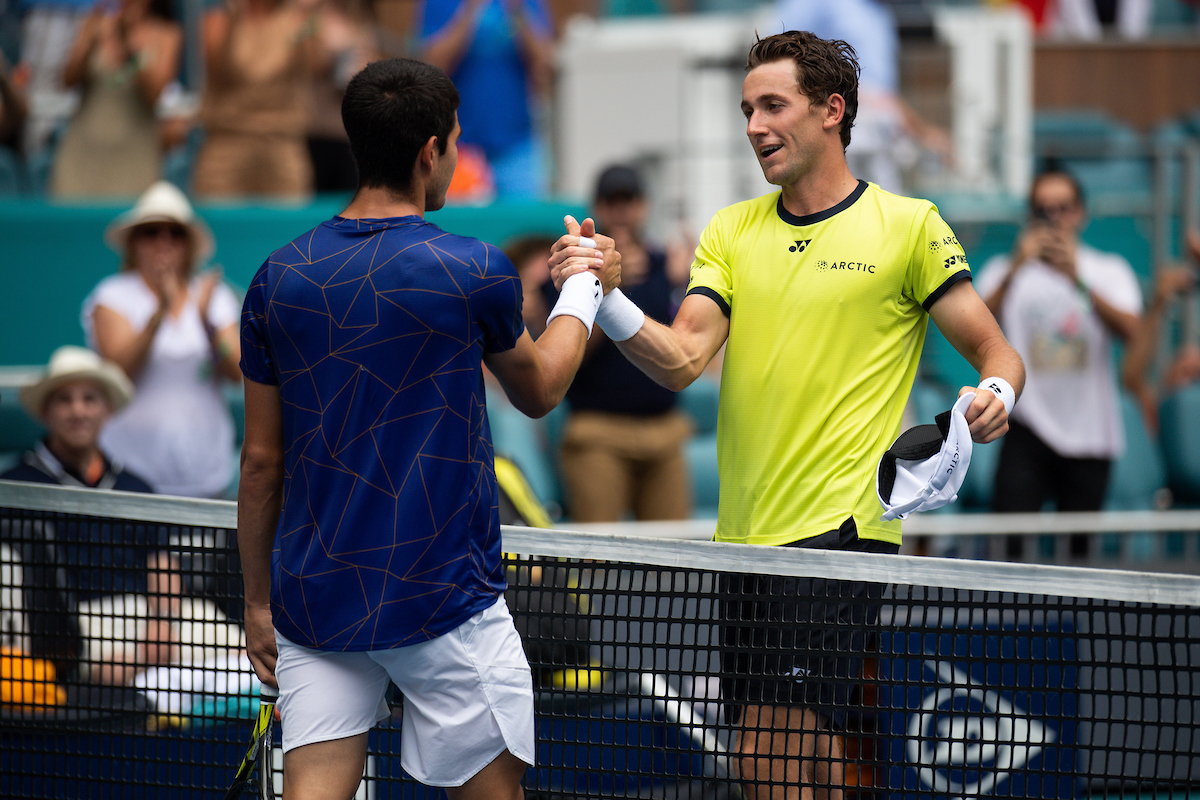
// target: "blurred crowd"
[[104, 94], [240, 98]]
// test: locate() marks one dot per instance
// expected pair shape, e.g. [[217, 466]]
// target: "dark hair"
[[523, 248], [1055, 169], [390, 110], [824, 67]]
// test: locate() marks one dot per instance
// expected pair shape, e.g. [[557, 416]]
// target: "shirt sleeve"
[[496, 299], [224, 308], [128, 297], [257, 363], [711, 275], [938, 260]]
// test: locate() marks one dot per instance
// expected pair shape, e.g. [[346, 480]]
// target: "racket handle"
[[268, 694]]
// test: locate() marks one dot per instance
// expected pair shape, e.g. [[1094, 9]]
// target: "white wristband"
[[580, 298], [1002, 389], [619, 317]]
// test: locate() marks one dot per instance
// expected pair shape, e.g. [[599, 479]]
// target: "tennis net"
[[945, 678]]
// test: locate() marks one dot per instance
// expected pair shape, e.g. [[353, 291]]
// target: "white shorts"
[[468, 696]]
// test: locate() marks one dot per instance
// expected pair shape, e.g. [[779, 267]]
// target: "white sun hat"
[[71, 363], [162, 202]]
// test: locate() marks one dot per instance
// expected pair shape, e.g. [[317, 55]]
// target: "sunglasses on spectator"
[[1050, 211], [158, 230]]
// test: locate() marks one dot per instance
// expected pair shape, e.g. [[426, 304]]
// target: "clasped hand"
[[568, 258]]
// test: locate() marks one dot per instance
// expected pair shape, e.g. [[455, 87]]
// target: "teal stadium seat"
[[699, 401], [12, 179], [1140, 472], [533, 446], [18, 431], [1179, 435], [1107, 156], [525, 442]]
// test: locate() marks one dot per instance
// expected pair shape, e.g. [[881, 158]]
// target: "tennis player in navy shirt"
[[367, 510]]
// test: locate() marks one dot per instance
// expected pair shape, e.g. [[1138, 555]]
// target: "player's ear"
[[426, 156], [835, 109]]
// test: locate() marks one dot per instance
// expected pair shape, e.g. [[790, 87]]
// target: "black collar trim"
[[820, 216]]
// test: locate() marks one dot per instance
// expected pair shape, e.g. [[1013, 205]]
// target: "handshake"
[[586, 269]]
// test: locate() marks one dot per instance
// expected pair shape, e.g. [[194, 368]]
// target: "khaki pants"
[[614, 463]]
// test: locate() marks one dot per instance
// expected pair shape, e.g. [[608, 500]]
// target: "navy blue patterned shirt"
[[375, 332]]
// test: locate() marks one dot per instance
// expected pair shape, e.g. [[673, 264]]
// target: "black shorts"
[[791, 641]]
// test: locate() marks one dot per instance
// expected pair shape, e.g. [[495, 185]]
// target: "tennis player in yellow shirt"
[[821, 293]]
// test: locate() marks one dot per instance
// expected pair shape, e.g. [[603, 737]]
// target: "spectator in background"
[[1062, 305], [347, 36], [175, 335], [531, 256], [1094, 19], [74, 399], [260, 58], [47, 31], [1174, 286], [498, 53], [622, 449], [888, 133], [14, 108], [125, 54]]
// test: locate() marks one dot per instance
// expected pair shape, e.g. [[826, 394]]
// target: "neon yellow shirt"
[[827, 317]]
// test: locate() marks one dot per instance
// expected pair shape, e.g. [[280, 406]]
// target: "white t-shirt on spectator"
[[177, 432], [1070, 399]]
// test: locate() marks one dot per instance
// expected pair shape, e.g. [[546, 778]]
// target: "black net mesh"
[[649, 680]]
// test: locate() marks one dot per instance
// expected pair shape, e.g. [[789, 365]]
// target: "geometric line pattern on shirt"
[[374, 331]]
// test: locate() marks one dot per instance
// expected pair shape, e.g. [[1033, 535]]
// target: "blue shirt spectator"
[[497, 52]]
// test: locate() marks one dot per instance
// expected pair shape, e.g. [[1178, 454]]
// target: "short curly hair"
[[824, 67]]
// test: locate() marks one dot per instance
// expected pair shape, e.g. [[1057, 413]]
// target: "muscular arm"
[[965, 321], [260, 502], [672, 356], [75, 66], [536, 374], [159, 61], [675, 356], [117, 341], [1122, 324]]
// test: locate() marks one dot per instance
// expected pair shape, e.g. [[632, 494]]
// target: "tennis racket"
[[262, 743]]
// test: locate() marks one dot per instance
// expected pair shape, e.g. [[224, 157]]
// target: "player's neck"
[[819, 191], [377, 202]]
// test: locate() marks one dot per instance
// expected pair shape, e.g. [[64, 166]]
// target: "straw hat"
[[162, 202], [70, 363]]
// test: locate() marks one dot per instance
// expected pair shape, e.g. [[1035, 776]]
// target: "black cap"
[[619, 180]]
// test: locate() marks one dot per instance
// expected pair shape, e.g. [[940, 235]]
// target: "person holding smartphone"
[[1164, 356], [1063, 305]]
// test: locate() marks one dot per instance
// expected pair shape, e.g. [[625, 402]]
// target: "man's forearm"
[[260, 502], [656, 352]]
